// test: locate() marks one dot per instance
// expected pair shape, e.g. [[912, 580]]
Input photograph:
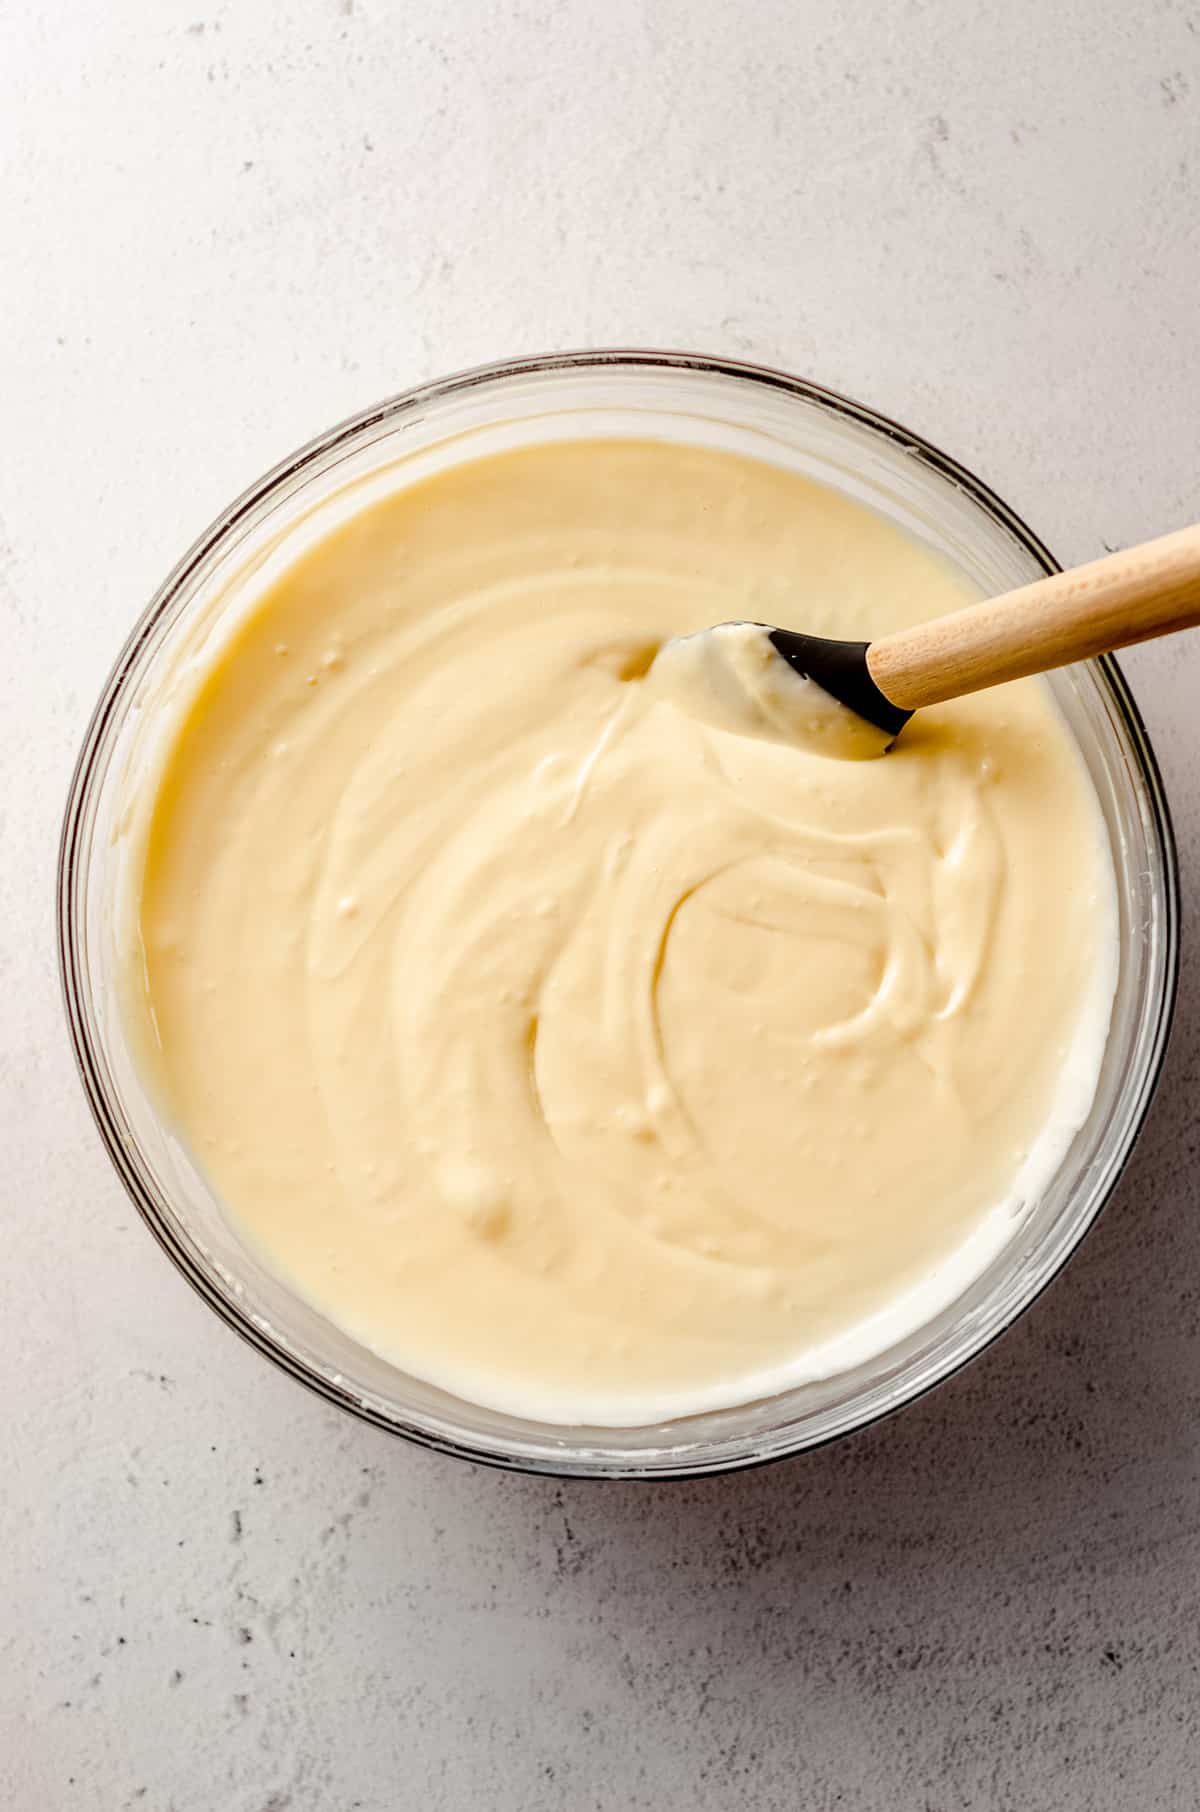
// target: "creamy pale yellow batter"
[[731, 676], [586, 1058]]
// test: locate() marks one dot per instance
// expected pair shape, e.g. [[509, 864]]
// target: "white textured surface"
[[227, 227]]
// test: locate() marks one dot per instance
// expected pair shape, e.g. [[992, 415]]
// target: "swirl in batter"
[[584, 1057]]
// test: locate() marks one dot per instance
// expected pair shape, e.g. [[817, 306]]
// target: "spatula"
[[1127, 597]]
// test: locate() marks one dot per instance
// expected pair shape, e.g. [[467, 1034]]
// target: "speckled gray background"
[[227, 227]]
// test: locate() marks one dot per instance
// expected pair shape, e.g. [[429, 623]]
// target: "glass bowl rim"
[[74, 986]]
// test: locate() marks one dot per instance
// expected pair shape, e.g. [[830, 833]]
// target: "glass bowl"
[[680, 397]]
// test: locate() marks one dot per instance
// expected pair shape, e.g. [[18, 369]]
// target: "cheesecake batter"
[[585, 1057]]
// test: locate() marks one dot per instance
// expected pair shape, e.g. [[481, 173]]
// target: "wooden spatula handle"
[[1124, 598]]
